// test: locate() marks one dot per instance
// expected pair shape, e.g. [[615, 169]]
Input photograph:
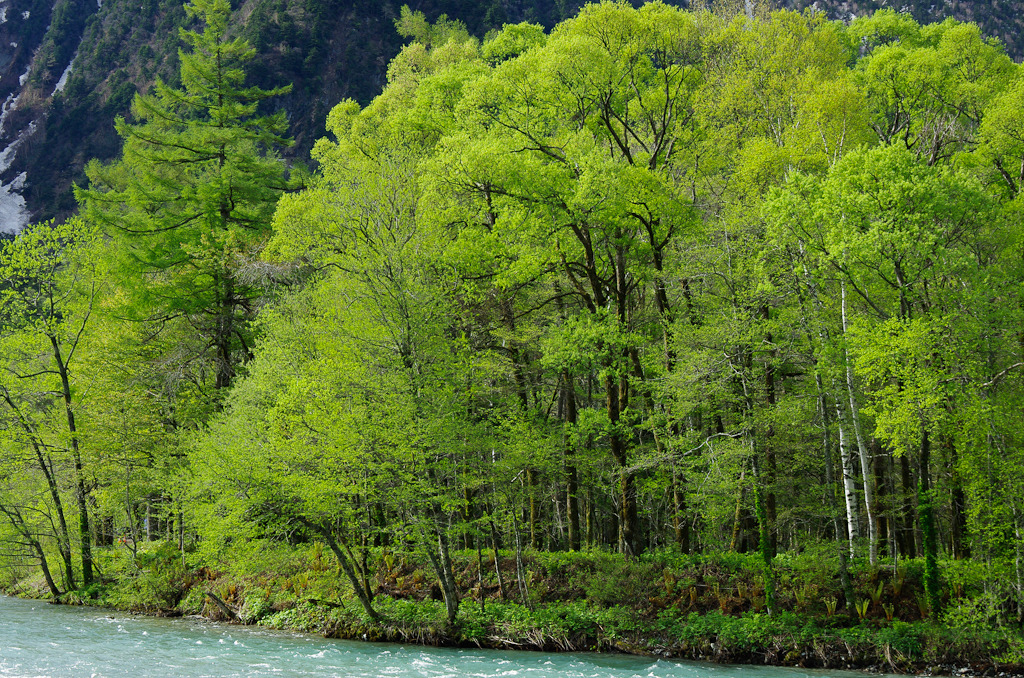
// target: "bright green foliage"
[[46, 301], [184, 209], [904, 236], [917, 248], [1002, 135], [659, 281], [357, 396], [929, 88], [512, 41], [565, 174], [415, 25]]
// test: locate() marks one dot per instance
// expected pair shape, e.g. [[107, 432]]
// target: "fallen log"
[[223, 606]]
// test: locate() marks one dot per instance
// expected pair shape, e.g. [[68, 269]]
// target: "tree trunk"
[[769, 447], [442, 563], [737, 521], [223, 334], [907, 509], [679, 522], [764, 542], [572, 508], [502, 590], [926, 514], [849, 487], [879, 458], [524, 588], [534, 515], [591, 517], [45, 567], [347, 568], [865, 459], [46, 466], [364, 568], [830, 495], [957, 505], [480, 576], [468, 513], [81, 490], [222, 605], [1018, 562], [830, 478], [617, 398], [18, 523]]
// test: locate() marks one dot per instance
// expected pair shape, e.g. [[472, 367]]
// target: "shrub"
[[621, 582], [902, 637]]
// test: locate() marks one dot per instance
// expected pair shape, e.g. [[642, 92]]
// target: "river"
[[37, 639]]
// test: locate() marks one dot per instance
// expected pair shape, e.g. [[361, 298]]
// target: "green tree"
[[567, 163], [906, 241], [776, 97], [928, 86], [356, 395], [190, 200], [1002, 137], [45, 304]]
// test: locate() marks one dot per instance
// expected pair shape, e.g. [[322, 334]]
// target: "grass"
[[688, 606]]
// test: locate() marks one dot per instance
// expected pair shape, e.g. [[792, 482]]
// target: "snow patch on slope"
[[7, 155], [6, 109], [14, 213], [64, 76]]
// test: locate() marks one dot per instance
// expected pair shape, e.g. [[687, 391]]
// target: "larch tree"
[[192, 195]]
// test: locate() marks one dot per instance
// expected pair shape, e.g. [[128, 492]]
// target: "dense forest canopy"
[[657, 279], [69, 67]]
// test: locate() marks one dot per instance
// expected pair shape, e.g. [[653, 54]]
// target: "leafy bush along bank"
[[696, 607]]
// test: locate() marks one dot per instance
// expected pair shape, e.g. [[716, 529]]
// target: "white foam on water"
[[93, 647]]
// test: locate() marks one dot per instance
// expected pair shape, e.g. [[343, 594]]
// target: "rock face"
[[1002, 19], [69, 67]]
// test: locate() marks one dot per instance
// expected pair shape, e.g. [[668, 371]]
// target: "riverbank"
[[60, 640], [709, 608]]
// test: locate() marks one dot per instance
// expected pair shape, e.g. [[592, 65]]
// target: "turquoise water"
[[39, 640]]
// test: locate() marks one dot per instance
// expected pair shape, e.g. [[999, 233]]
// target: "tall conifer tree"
[[194, 191]]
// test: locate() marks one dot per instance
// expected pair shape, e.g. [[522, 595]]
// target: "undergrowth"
[[664, 603]]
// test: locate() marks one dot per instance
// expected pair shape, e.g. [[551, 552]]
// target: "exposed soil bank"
[[709, 609], [750, 639]]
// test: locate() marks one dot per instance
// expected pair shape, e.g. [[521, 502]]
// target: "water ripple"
[[42, 641]]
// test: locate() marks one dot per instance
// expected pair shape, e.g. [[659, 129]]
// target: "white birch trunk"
[[865, 460], [849, 486], [1019, 565]]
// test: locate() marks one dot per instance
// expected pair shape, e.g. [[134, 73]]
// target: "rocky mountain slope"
[[68, 67]]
